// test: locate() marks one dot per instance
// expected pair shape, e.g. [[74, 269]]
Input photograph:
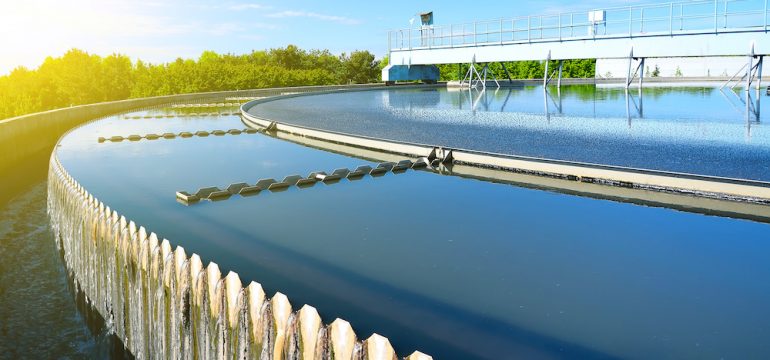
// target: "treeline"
[[583, 68], [523, 69], [81, 78]]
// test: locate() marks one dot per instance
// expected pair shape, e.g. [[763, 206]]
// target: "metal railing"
[[685, 17]]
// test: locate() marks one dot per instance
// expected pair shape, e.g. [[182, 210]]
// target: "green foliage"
[[80, 78], [360, 67], [523, 69], [656, 71]]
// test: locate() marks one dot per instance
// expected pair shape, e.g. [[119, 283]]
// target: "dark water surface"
[[454, 267], [699, 130], [39, 315]]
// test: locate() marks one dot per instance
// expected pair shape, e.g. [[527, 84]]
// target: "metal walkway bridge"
[[704, 28]]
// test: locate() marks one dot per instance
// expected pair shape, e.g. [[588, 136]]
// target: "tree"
[[360, 67]]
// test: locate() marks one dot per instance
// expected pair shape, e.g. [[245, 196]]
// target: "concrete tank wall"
[[162, 302]]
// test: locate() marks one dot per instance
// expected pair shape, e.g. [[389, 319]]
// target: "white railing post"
[[529, 28], [641, 20], [389, 37], [725, 14], [630, 20], [559, 26], [671, 18], [501, 31], [716, 15], [765, 25]]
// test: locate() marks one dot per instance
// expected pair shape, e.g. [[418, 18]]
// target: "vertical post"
[[475, 34], [571, 25], [501, 31], [765, 16], [671, 18], [641, 20], [558, 81], [759, 73], [630, 20], [529, 28], [681, 16], [630, 62], [716, 22], [389, 32], [545, 75], [641, 76], [559, 26], [749, 72], [410, 38], [725, 14]]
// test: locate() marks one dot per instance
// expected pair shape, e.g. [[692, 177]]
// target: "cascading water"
[[165, 305]]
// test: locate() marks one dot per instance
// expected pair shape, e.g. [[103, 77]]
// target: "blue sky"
[[162, 30]]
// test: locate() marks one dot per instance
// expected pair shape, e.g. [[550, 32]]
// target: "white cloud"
[[312, 15], [249, 6]]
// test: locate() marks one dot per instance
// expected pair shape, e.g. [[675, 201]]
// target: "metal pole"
[[474, 34], [630, 61], [630, 20], [529, 28], [389, 44], [725, 26], [641, 76], [558, 82], [545, 75], [501, 31], [759, 72], [716, 22], [671, 19], [641, 20], [765, 15], [559, 26], [749, 71]]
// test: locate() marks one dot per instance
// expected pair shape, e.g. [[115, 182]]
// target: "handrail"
[[673, 18]]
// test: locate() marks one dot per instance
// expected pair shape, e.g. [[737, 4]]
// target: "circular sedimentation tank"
[[524, 263]]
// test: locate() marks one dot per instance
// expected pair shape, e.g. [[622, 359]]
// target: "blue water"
[[457, 268], [699, 130]]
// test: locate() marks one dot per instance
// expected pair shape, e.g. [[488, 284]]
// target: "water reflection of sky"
[[700, 130], [454, 267]]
